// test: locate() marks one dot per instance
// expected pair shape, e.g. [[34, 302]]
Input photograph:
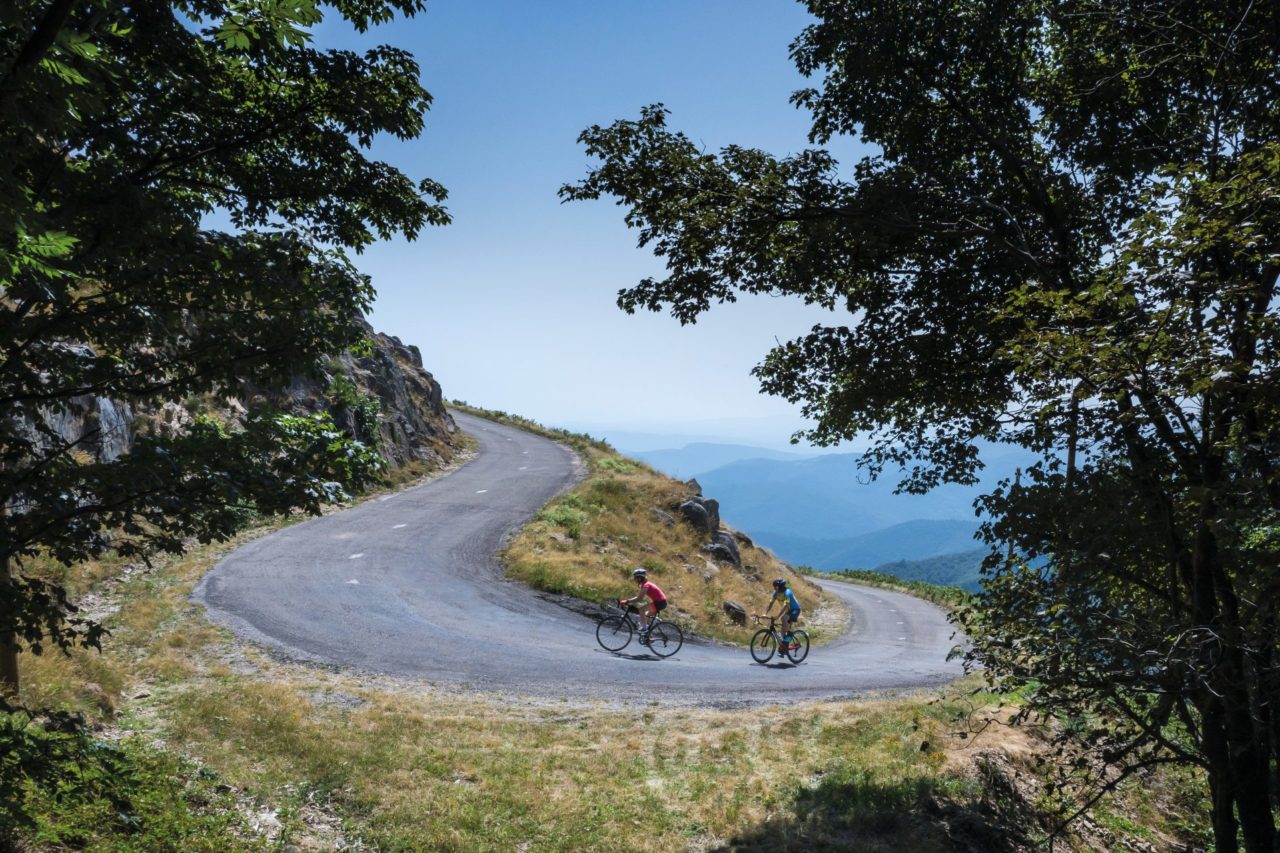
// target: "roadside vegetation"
[[623, 514], [289, 757], [940, 594], [284, 756]]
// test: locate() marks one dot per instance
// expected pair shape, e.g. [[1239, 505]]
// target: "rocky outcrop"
[[385, 398], [724, 547], [701, 513]]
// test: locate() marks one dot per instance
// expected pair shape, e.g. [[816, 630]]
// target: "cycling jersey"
[[789, 597], [656, 595]]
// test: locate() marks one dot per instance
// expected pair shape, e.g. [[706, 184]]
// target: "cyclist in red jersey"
[[657, 602]]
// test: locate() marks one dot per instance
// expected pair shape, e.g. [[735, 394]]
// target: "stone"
[[724, 548], [701, 513], [735, 611], [666, 518]]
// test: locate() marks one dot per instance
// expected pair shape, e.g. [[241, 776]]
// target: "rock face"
[[390, 401], [412, 423]]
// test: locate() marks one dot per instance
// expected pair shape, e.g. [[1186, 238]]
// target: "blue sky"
[[513, 304]]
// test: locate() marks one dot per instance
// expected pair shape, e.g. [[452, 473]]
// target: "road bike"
[[767, 641], [615, 630]]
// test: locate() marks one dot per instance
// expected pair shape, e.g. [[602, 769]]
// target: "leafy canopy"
[[122, 127], [1069, 240]]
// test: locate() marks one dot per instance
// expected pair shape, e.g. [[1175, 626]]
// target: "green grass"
[[67, 790]]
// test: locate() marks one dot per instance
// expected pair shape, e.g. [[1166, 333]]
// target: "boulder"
[[723, 547], [701, 513], [735, 611]]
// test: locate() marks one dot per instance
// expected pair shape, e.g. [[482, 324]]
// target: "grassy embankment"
[[292, 756], [622, 515]]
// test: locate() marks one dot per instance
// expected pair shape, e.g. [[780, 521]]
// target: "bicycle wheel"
[[799, 646], [763, 645], [665, 639], [613, 633]]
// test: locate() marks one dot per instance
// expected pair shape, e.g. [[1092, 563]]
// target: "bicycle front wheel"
[[665, 639], [763, 645], [613, 633], [799, 646]]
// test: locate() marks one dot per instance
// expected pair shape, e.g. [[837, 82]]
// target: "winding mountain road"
[[409, 585]]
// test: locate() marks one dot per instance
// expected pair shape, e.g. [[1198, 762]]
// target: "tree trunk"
[[1221, 793], [8, 650]]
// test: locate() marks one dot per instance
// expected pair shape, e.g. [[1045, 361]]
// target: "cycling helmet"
[[780, 583], [639, 574]]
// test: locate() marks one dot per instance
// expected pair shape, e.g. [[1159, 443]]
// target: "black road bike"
[[615, 630], [769, 640]]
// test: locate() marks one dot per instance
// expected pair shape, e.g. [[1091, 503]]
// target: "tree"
[[122, 126], [1068, 241]]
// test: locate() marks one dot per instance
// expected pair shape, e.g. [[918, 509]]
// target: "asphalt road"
[[409, 585]]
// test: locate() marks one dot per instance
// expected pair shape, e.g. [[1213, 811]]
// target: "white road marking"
[[899, 623], [356, 556], [398, 526], [353, 580], [523, 468], [902, 638], [482, 491]]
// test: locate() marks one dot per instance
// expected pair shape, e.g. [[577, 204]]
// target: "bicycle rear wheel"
[[763, 645], [799, 646], [613, 633], [665, 639]]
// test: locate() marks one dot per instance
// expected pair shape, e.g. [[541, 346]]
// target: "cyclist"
[[657, 602], [790, 610]]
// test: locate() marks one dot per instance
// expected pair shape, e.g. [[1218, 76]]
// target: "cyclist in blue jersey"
[[790, 606]]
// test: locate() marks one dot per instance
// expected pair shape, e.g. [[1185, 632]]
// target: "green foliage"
[[616, 465], [962, 569], [59, 787], [570, 512], [122, 126], [364, 407], [1068, 240]]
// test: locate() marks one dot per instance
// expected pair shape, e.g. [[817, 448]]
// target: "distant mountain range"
[[693, 459], [824, 512], [962, 569], [910, 540]]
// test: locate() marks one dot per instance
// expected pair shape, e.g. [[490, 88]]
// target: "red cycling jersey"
[[650, 589]]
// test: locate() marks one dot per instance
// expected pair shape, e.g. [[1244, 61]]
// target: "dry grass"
[[623, 515], [406, 766]]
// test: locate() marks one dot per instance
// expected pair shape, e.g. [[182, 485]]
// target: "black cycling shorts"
[[659, 606]]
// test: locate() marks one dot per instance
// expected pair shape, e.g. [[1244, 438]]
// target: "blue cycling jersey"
[[788, 596]]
